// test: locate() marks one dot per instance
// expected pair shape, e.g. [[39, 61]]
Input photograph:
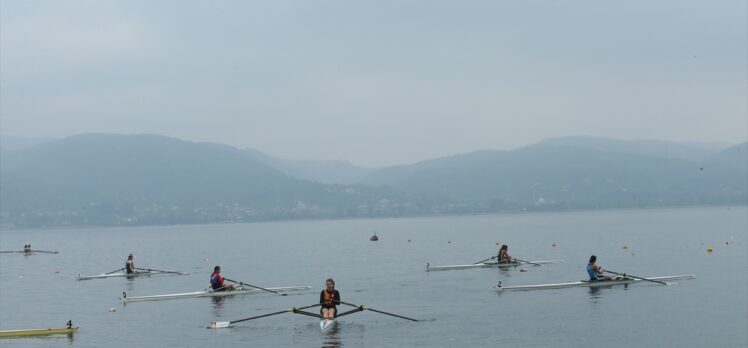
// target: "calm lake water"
[[458, 308]]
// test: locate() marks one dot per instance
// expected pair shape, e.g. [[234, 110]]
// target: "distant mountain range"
[[576, 173], [107, 179]]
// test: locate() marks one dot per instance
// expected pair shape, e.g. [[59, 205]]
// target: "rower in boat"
[[130, 264], [503, 256], [27, 248], [329, 299], [596, 272], [216, 281]]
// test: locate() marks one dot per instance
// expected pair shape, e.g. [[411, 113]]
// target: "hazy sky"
[[376, 82]]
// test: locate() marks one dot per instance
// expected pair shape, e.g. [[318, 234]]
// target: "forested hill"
[[138, 179]]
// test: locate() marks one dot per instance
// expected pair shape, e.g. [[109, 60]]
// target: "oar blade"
[[219, 324]]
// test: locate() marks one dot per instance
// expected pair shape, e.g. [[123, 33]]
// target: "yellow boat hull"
[[37, 332]]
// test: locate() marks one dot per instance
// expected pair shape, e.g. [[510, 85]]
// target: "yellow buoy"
[[625, 247], [709, 249]]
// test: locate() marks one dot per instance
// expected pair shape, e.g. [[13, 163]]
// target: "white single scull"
[[139, 273], [591, 284], [239, 290], [30, 252], [488, 265]]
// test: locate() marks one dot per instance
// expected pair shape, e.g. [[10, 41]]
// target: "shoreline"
[[410, 216]]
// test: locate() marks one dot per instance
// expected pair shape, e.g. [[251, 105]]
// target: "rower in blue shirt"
[[594, 271]]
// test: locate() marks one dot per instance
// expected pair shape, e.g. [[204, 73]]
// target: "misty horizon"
[[708, 144]]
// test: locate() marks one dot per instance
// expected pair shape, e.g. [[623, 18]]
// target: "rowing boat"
[[31, 252], [239, 290], [591, 284], [488, 265], [140, 273], [326, 324], [69, 329], [37, 332]]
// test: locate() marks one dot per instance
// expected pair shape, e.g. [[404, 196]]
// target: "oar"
[[482, 261], [525, 261], [163, 271], [45, 251], [121, 269], [222, 324], [364, 308], [633, 276], [256, 287]]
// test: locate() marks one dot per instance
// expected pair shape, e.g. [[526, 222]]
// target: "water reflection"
[[130, 284], [331, 339], [71, 338], [596, 292], [218, 302], [505, 271]]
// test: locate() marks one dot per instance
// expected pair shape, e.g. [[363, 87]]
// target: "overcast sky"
[[376, 82]]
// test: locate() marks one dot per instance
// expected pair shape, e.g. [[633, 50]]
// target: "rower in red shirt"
[[216, 281]]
